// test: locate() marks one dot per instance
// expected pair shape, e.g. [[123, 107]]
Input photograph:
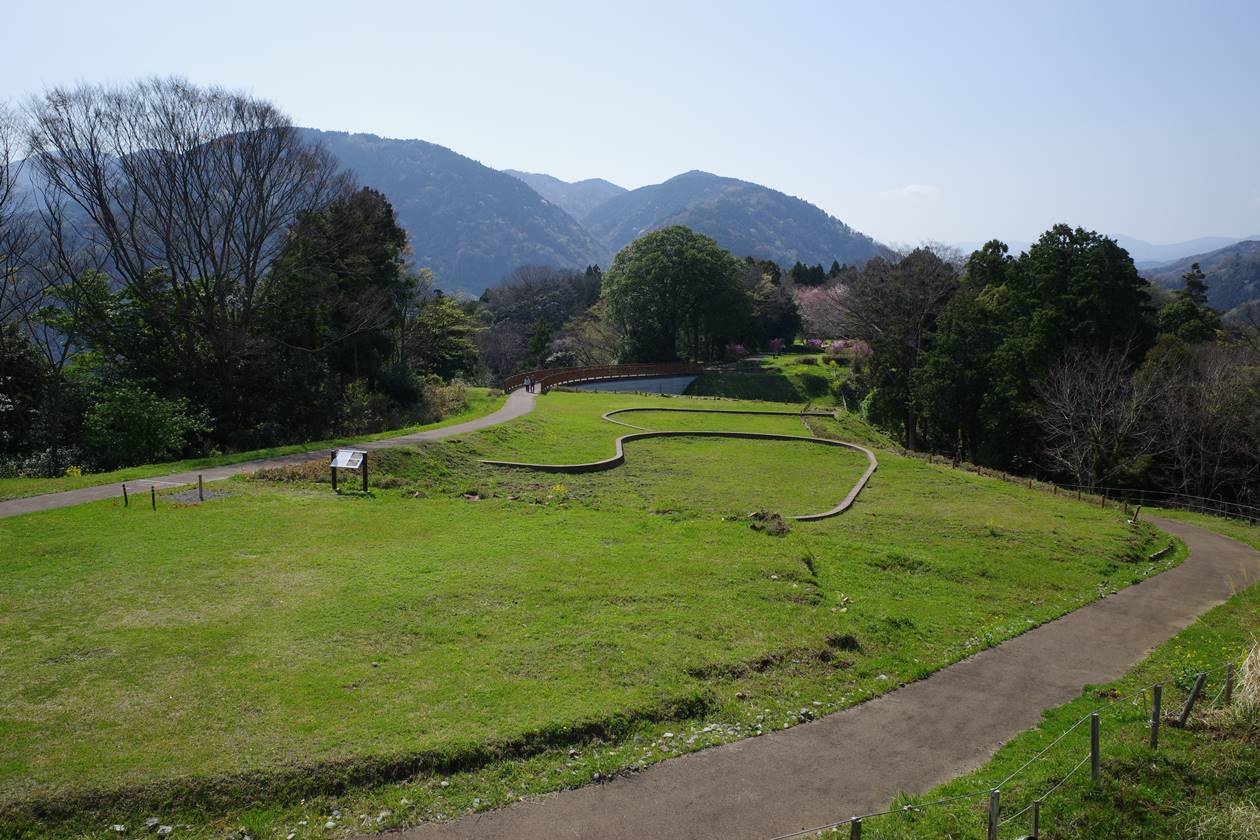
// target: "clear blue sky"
[[941, 121]]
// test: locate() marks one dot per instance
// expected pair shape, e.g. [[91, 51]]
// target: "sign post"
[[349, 459]]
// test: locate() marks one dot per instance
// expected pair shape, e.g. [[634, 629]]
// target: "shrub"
[[130, 424], [776, 345], [735, 352], [814, 344]]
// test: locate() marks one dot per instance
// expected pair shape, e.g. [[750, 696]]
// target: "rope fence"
[[994, 820]]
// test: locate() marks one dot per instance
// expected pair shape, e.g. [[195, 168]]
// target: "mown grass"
[[481, 401], [269, 657], [1201, 783]]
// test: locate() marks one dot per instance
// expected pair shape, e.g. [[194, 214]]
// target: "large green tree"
[[675, 294]]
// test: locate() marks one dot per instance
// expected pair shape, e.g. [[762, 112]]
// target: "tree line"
[[1061, 362], [183, 273]]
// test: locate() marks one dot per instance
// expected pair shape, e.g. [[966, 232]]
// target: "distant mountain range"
[[472, 224], [577, 198], [745, 218], [1232, 274], [469, 223], [1146, 255]]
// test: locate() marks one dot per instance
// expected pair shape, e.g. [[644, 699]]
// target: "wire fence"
[[1107, 496], [1032, 791]]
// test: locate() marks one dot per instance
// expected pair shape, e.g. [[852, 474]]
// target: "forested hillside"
[[1232, 275], [468, 223], [577, 198], [744, 218]]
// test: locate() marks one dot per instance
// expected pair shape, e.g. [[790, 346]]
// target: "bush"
[[43, 464], [131, 425]]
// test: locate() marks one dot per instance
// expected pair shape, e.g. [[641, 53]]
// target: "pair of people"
[[529, 384]]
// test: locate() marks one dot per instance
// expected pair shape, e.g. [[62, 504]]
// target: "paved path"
[[912, 739], [518, 403]]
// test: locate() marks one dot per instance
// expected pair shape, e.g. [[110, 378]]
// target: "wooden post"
[[153, 495], [1192, 699], [1229, 683], [1157, 696], [995, 807], [1036, 820], [332, 459], [126, 501], [363, 469], [855, 828], [1078, 494], [1095, 771], [201, 490]]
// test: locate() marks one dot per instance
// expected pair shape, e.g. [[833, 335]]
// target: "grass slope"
[[266, 658], [1201, 783], [810, 378], [480, 403]]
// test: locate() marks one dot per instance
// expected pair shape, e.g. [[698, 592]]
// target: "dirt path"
[[912, 739], [518, 404]]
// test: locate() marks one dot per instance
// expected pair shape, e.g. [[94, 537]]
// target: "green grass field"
[[267, 657], [480, 402], [1201, 784]]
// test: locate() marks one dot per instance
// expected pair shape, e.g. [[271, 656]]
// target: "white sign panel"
[[348, 459]]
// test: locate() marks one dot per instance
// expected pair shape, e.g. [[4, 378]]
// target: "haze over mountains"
[[1232, 274]]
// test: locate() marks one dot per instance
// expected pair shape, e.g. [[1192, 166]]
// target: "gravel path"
[[911, 739], [518, 403]]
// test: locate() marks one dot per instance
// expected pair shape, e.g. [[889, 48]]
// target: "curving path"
[[911, 739], [619, 456], [519, 403]]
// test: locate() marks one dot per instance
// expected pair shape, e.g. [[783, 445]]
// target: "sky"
[[912, 122]]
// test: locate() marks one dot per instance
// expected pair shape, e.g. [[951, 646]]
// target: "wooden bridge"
[[548, 378]]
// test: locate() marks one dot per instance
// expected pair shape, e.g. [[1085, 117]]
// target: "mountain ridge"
[[1232, 274], [577, 198], [745, 218]]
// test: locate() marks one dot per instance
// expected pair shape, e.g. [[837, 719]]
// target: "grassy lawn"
[[1201, 783], [269, 657], [480, 402]]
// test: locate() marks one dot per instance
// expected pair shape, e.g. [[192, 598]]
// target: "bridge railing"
[[548, 378]]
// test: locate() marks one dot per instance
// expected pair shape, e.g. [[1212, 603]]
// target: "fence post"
[[1229, 683], [201, 490], [995, 807], [1157, 696], [1192, 699], [1036, 820], [126, 501], [1094, 769], [855, 828], [153, 495]]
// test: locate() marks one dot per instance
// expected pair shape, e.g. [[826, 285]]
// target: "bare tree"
[[1208, 419], [179, 197], [1095, 416], [18, 285]]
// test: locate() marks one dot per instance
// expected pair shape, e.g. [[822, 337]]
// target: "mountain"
[[469, 223], [1146, 255], [577, 198], [1233, 274], [746, 219]]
